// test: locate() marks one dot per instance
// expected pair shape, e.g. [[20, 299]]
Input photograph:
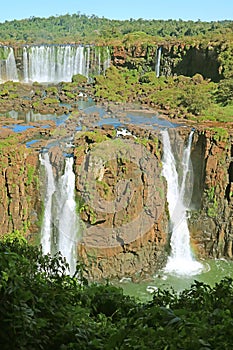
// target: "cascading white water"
[[66, 216], [46, 229], [25, 65], [59, 62], [52, 63], [157, 63], [8, 70], [60, 226], [181, 260], [11, 70]]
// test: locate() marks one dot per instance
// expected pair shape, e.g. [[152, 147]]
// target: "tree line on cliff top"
[[92, 29]]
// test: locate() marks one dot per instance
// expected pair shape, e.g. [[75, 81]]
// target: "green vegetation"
[[30, 174], [92, 29], [188, 97], [43, 308], [79, 79]]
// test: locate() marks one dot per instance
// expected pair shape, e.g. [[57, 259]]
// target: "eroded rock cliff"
[[122, 193], [175, 58], [211, 223], [19, 189]]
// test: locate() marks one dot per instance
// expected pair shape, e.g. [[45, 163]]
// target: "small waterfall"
[[181, 260], [157, 63], [46, 228], [60, 226], [8, 70]]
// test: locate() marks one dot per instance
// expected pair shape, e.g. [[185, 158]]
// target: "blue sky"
[[205, 10]]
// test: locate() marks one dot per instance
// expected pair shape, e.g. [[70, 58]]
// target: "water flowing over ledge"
[[60, 225], [52, 63], [181, 260]]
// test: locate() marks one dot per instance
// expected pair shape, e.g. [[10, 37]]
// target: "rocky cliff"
[[122, 197], [211, 223], [175, 59], [19, 189], [107, 249], [122, 208]]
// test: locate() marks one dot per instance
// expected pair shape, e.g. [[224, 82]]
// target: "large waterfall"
[[59, 231], [52, 63], [181, 260]]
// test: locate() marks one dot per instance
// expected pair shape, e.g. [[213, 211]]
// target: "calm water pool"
[[213, 272]]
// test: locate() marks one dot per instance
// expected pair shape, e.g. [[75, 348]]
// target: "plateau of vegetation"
[[43, 308], [193, 98], [92, 29]]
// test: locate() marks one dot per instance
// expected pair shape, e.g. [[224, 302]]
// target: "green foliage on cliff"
[[179, 96], [92, 29], [116, 85], [43, 308]]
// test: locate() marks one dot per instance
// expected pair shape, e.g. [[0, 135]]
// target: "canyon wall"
[[122, 198], [211, 206], [211, 222]]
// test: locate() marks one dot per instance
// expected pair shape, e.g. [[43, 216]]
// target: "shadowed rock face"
[[178, 59]]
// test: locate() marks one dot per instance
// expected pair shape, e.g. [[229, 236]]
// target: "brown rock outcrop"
[[211, 223], [19, 197], [123, 209]]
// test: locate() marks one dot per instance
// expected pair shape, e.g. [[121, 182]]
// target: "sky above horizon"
[[205, 10]]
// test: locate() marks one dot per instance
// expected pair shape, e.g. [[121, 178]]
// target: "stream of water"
[[181, 260], [60, 225]]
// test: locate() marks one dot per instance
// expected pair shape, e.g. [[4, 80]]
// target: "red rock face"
[[212, 229], [211, 225], [125, 219], [18, 190]]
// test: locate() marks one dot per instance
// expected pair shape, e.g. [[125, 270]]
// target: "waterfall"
[[8, 70], [60, 223], [46, 228], [11, 70], [58, 63], [52, 63], [25, 65], [181, 260], [157, 63], [67, 218]]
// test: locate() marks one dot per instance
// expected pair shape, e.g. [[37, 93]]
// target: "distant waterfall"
[[52, 63], [181, 260], [8, 70], [157, 62], [59, 231]]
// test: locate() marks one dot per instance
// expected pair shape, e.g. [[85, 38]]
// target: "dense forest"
[[92, 29], [43, 308]]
